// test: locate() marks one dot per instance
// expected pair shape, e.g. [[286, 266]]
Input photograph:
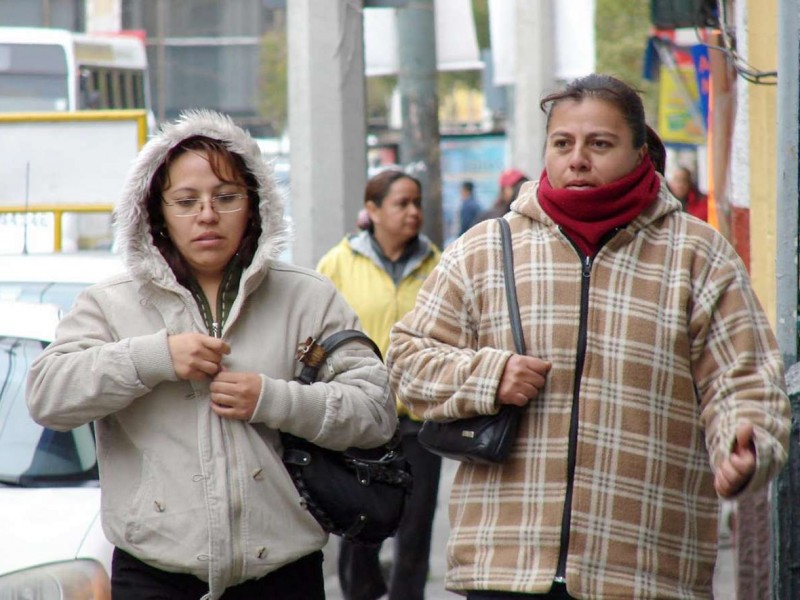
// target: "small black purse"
[[487, 438], [357, 494]]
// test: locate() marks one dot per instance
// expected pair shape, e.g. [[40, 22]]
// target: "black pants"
[[557, 592], [131, 579], [360, 573]]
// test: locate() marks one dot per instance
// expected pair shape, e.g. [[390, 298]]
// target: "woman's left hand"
[[735, 471], [234, 395]]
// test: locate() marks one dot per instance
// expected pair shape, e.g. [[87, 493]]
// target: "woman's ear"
[[641, 154], [372, 210]]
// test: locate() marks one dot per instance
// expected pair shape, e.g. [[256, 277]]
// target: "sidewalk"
[[724, 577]]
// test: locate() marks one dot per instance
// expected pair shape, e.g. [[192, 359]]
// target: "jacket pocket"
[[148, 504]]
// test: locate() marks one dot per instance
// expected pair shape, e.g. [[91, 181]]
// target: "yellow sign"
[[679, 119]]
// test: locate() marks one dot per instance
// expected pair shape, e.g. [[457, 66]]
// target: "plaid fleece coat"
[[658, 347]]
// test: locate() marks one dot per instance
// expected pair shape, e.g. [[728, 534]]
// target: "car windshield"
[[32, 455]]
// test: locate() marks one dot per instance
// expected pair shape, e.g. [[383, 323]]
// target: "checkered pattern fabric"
[[677, 349]]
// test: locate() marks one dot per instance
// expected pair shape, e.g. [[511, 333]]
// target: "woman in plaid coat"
[[653, 385]]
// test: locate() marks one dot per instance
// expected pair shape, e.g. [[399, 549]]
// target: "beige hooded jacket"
[[183, 489]]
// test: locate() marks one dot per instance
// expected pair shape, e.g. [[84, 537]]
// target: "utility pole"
[[161, 52], [786, 488], [46, 13], [416, 78]]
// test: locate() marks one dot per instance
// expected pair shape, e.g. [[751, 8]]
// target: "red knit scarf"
[[586, 216]]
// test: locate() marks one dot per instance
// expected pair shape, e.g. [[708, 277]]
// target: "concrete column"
[[327, 124], [535, 77]]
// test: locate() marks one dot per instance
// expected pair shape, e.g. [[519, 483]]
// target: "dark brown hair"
[[227, 166], [378, 186], [620, 95]]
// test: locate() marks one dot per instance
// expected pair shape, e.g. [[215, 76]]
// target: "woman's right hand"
[[522, 379], [196, 356]]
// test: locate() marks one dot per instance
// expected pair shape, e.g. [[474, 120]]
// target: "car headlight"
[[72, 580]]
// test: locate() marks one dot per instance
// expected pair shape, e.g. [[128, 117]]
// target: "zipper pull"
[[215, 330], [587, 266]]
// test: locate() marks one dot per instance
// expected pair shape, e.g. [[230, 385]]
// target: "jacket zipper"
[[566, 518], [236, 501], [235, 508]]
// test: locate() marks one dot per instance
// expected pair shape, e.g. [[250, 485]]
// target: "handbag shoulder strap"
[[511, 286], [312, 353]]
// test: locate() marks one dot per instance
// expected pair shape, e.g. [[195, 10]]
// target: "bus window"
[[33, 77], [138, 90], [99, 86], [127, 90], [89, 96]]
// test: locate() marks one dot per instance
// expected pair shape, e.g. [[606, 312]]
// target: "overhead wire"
[[744, 69]]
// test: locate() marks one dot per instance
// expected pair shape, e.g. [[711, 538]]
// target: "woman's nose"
[[578, 160], [207, 212]]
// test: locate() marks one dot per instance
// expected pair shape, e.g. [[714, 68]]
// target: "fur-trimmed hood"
[[132, 231]]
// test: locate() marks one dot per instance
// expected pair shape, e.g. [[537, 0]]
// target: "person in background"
[[186, 365], [510, 182], [469, 206], [379, 272], [683, 187], [653, 385]]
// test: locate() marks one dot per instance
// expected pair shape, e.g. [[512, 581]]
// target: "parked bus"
[[44, 70]]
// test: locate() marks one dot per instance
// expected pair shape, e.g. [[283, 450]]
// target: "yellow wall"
[[763, 55]]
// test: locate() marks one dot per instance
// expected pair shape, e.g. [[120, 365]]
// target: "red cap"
[[511, 177]]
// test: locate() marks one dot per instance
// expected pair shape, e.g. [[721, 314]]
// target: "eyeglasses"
[[221, 204]]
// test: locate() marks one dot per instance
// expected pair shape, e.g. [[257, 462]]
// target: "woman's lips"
[[207, 239]]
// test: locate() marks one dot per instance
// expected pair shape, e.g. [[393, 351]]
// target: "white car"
[[55, 278], [52, 545]]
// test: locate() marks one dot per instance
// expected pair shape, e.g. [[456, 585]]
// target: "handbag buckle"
[[310, 353]]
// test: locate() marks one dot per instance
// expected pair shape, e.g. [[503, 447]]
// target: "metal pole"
[[786, 509], [416, 78], [46, 13], [162, 58]]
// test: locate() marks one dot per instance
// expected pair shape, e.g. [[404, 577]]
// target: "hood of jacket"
[[361, 242], [132, 230]]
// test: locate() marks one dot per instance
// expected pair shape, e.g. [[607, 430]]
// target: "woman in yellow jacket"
[[379, 272]]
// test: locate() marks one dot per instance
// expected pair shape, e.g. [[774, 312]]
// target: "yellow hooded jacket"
[[356, 270]]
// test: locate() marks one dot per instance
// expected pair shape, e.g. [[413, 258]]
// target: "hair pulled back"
[[378, 188], [378, 185], [619, 94]]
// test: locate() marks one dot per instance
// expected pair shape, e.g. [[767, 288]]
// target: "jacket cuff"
[[151, 358], [282, 402]]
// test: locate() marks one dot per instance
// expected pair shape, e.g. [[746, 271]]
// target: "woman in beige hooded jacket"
[[186, 365]]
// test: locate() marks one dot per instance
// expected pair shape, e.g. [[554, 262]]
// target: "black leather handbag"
[[486, 438], [357, 494]]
